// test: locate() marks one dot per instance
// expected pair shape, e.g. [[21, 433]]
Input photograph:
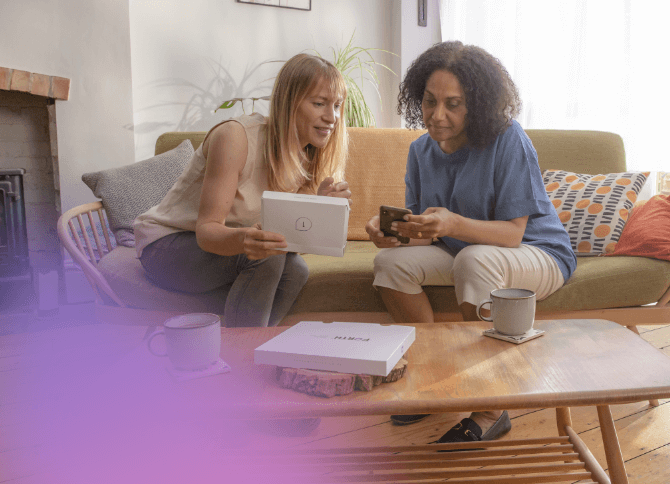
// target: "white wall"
[[415, 39], [87, 41], [188, 57]]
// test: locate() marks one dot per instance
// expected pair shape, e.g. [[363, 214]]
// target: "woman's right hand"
[[377, 236], [259, 244]]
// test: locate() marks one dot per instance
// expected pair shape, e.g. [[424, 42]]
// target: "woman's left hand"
[[328, 188], [433, 222]]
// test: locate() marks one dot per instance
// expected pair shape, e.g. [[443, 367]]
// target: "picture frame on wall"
[[294, 4]]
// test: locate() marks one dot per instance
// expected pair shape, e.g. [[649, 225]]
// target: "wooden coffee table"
[[108, 404], [453, 368]]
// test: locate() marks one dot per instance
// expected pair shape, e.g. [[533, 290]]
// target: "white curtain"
[[580, 64]]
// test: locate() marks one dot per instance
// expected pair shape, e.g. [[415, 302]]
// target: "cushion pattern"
[[593, 208], [130, 190]]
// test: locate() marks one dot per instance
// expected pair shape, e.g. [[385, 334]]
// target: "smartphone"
[[390, 214]]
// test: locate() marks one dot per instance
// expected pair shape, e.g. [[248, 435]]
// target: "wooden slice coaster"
[[329, 384]]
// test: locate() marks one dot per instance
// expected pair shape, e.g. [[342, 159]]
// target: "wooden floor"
[[644, 431]]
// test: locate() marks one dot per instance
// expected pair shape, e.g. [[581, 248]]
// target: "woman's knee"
[[296, 268], [476, 258], [386, 261], [478, 266]]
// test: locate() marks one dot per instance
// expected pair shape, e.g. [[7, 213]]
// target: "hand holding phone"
[[387, 215]]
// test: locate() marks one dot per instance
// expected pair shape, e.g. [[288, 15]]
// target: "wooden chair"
[[87, 250]]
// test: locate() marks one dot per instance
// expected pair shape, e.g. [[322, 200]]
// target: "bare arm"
[[226, 154]]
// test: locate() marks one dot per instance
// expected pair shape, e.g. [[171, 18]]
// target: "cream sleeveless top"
[[178, 211]]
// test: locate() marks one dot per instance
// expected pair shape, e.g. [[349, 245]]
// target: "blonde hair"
[[285, 157]]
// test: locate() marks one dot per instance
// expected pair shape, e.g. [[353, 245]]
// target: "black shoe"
[[467, 430], [408, 419]]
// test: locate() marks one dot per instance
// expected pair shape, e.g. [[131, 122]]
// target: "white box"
[[361, 348], [311, 224]]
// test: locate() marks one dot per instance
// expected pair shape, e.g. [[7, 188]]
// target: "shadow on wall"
[[198, 112]]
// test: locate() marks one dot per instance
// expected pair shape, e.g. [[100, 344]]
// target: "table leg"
[[563, 418], [616, 467]]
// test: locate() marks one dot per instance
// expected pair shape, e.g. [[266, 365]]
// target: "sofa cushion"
[[376, 173], [593, 208], [346, 284], [130, 190], [123, 271], [647, 232], [611, 282]]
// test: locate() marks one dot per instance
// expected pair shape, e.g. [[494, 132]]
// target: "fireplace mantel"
[[37, 84]]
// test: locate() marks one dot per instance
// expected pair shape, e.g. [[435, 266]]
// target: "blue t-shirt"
[[500, 182]]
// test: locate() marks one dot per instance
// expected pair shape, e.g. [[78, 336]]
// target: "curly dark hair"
[[491, 98]]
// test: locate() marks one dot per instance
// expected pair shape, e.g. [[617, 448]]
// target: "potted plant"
[[357, 66]]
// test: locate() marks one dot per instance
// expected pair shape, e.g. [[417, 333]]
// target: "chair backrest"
[[87, 242]]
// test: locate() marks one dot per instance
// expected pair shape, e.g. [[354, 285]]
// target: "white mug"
[[192, 341], [512, 310]]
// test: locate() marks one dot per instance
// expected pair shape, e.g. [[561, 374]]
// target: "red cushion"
[[647, 232]]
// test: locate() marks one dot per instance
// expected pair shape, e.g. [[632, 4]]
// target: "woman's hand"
[[259, 244], [377, 236], [433, 222], [440, 222], [327, 188]]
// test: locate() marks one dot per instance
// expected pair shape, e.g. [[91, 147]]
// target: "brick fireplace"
[[28, 142]]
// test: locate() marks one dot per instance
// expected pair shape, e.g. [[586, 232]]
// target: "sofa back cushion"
[[592, 152], [376, 173], [378, 156]]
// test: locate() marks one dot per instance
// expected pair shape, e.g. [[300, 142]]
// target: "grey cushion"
[[130, 190]]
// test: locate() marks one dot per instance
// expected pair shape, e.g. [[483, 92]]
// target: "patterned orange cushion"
[[593, 208], [647, 232]]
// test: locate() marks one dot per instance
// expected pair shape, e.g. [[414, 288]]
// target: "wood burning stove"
[[14, 257]]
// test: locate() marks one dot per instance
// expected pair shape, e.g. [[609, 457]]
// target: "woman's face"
[[317, 116], [444, 111]]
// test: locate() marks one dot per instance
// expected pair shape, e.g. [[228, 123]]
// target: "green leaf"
[[227, 104]]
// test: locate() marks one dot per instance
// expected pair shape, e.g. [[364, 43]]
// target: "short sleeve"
[[518, 182], [412, 182]]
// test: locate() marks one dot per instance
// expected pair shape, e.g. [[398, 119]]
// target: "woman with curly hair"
[[481, 219]]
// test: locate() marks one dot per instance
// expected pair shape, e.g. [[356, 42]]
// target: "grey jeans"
[[257, 292]]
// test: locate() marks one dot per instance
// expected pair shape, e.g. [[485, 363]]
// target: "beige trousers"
[[474, 272]]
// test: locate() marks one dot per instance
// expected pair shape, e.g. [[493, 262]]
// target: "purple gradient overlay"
[[95, 409]]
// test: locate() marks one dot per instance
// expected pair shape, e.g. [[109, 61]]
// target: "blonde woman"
[[205, 234]]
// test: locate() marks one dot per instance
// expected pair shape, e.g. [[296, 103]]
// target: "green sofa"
[[616, 288]]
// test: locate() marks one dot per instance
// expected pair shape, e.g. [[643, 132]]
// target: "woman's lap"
[[177, 263], [257, 292], [474, 272]]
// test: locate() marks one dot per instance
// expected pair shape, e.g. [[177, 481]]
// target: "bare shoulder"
[[226, 144]]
